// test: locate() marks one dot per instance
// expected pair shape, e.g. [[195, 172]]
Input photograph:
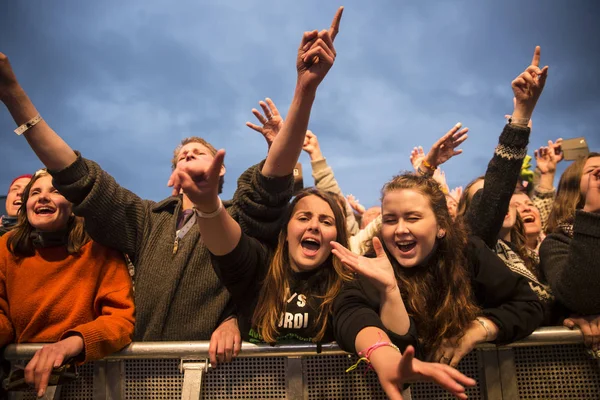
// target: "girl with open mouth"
[[58, 286], [427, 283]]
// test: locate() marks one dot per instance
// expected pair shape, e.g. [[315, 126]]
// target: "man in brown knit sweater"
[[178, 296]]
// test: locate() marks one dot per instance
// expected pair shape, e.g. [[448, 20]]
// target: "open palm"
[[378, 270]]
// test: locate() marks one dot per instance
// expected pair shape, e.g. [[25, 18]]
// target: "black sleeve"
[[505, 297], [243, 269], [572, 266], [357, 307], [490, 204], [259, 202]]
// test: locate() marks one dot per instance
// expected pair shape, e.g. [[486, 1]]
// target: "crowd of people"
[[411, 285]]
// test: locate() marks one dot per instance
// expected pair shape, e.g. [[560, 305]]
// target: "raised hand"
[[528, 86], [444, 148], [392, 374], [440, 177], [456, 193], [316, 54], [355, 204], [271, 121], [311, 146], [417, 155], [8, 79], [546, 157], [378, 270], [199, 182], [592, 198]]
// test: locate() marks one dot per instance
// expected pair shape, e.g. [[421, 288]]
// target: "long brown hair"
[[568, 195], [20, 242], [276, 284], [438, 295]]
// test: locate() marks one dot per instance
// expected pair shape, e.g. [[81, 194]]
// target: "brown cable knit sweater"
[[178, 296]]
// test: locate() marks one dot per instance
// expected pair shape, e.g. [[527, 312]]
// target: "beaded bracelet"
[[366, 354]]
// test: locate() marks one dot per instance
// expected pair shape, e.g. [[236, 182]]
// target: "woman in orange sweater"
[[58, 286]]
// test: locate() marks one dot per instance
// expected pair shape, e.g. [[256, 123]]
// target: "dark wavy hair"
[[20, 242], [438, 294], [276, 284]]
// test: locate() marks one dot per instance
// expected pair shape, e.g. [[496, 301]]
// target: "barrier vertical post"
[[491, 384], [294, 378], [193, 372]]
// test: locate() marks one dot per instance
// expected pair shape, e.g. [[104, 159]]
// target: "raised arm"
[[52, 151], [315, 57], [114, 216], [324, 179], [490, 205], [441, 151], [546, 158]]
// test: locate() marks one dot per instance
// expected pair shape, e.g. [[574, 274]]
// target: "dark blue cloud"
[[124, 81]]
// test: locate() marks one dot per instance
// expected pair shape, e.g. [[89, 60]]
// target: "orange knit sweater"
[[53, 295]]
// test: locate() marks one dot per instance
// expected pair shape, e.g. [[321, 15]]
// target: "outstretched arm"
[[114, 216], [52, 151], [315, 57], [490, 204]]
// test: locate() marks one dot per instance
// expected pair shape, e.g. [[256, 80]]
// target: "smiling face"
[[528, 212], [47, 210], [409, 226], [14, 196], [309, 233]]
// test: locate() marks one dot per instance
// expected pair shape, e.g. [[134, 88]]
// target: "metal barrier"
[[549, 364]]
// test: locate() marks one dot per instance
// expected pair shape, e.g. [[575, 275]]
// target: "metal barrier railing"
[[155, 350], [497, 365]]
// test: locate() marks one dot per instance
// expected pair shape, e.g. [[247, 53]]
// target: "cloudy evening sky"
[[124, 82]]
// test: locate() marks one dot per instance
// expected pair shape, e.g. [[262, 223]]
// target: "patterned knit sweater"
[[490, 205], [178, 296]]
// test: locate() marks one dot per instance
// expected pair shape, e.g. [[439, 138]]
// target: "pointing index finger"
[[335, 24], [536, 56]]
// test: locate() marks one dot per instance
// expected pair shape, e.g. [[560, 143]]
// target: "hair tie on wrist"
[[210, 214]]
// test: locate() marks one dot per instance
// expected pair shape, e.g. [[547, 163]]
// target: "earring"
[[441, 234]]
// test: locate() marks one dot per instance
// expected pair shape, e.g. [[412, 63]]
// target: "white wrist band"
[[211, 214], [29, 124], [487, 330]]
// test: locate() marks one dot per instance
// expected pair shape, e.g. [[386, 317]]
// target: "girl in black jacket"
[[429, 276]]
